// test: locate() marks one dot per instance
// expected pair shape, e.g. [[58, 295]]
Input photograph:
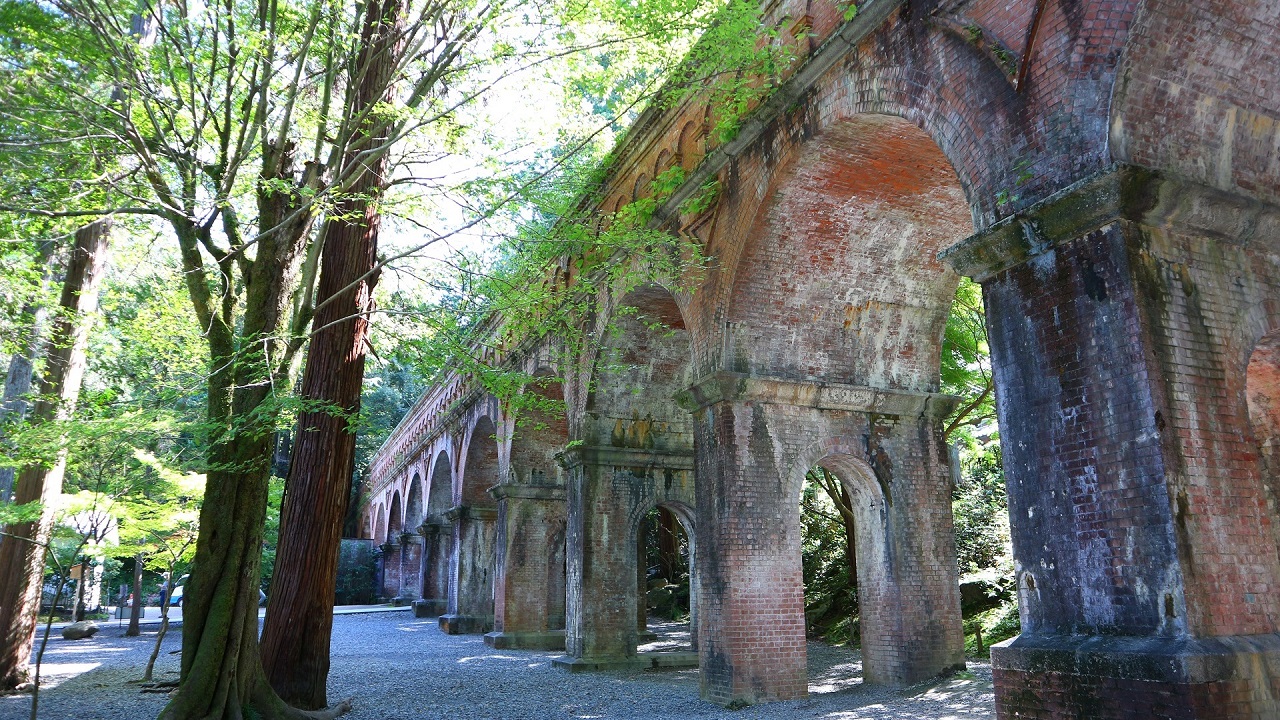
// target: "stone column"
[[756, 439], [471, 570], [1121, 315], [437, 539], [605, 487], [390, 569], [529, 586], [410, 568]]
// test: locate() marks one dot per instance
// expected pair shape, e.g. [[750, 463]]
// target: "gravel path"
[[398, 667]]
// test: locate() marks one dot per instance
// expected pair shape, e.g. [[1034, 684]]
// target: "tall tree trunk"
[[22, 555], [135, 614], [222, 673], [299, 623], [17, 381]]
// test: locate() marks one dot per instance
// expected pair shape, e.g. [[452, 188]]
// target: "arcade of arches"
[[1109, 172]]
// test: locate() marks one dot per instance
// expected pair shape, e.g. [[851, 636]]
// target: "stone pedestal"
[[529, 584], [758, 437], [471, 588], [1121, 315]]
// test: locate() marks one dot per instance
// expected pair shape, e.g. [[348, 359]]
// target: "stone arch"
[[480, 468], [663, 162], [395, 518], [437, 537], [687, 151], [642, 189], [380, 529], [685, 515], [440, 485], [413, 512], [643, 363], [839, 279], [878, 601]]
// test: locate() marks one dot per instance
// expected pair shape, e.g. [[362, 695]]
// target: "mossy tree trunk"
[[221, 675], [299, 623], [22, 555]]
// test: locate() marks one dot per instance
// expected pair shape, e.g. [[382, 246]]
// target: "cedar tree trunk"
[[17, 381], [22, 554], [299, 623]]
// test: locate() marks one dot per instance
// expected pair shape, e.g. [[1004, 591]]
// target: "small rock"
[[80, 630]]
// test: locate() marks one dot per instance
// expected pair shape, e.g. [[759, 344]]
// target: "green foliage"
[[966, 366], [830, 593], [981, 511]]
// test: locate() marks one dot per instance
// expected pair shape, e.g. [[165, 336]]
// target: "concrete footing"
[[465, 624], [552, 640], [641, 661], [430, 608]]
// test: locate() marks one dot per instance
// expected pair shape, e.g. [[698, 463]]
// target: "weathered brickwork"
[[1115, 168]]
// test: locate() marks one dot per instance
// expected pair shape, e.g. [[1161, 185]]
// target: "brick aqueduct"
[[1110, 173]]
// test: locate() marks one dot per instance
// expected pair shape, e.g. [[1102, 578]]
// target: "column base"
[[551, 640], [1137, 677], [641, 661], [430, 608], [466, 624]]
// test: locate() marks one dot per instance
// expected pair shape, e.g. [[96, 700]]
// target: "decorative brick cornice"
[[1121, 192], [739, 387]]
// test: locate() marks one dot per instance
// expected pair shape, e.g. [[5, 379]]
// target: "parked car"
[[179, 593]]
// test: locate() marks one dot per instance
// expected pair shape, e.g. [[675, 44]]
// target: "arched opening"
[[412, 548], [842, 497], [390, 562], [474, 524], [1262, 396], [838, 301], [643, 364], [636, 453], [440, 487], [413, 505], [481, 470], [437, 539], [667, 580], [395, 519], [840, 281], [380, 531]]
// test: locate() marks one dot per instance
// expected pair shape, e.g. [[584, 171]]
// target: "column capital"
[[1119, 193], [608, 455], [471, 512], [527, 492], [738, 387]]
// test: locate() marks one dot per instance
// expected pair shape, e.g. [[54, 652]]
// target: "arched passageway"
[[832, 341], [636, 452], [411, 543], [474, 535], [667, 580], [437, 540], [390, 562], [529, 587], [1262, 397]]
